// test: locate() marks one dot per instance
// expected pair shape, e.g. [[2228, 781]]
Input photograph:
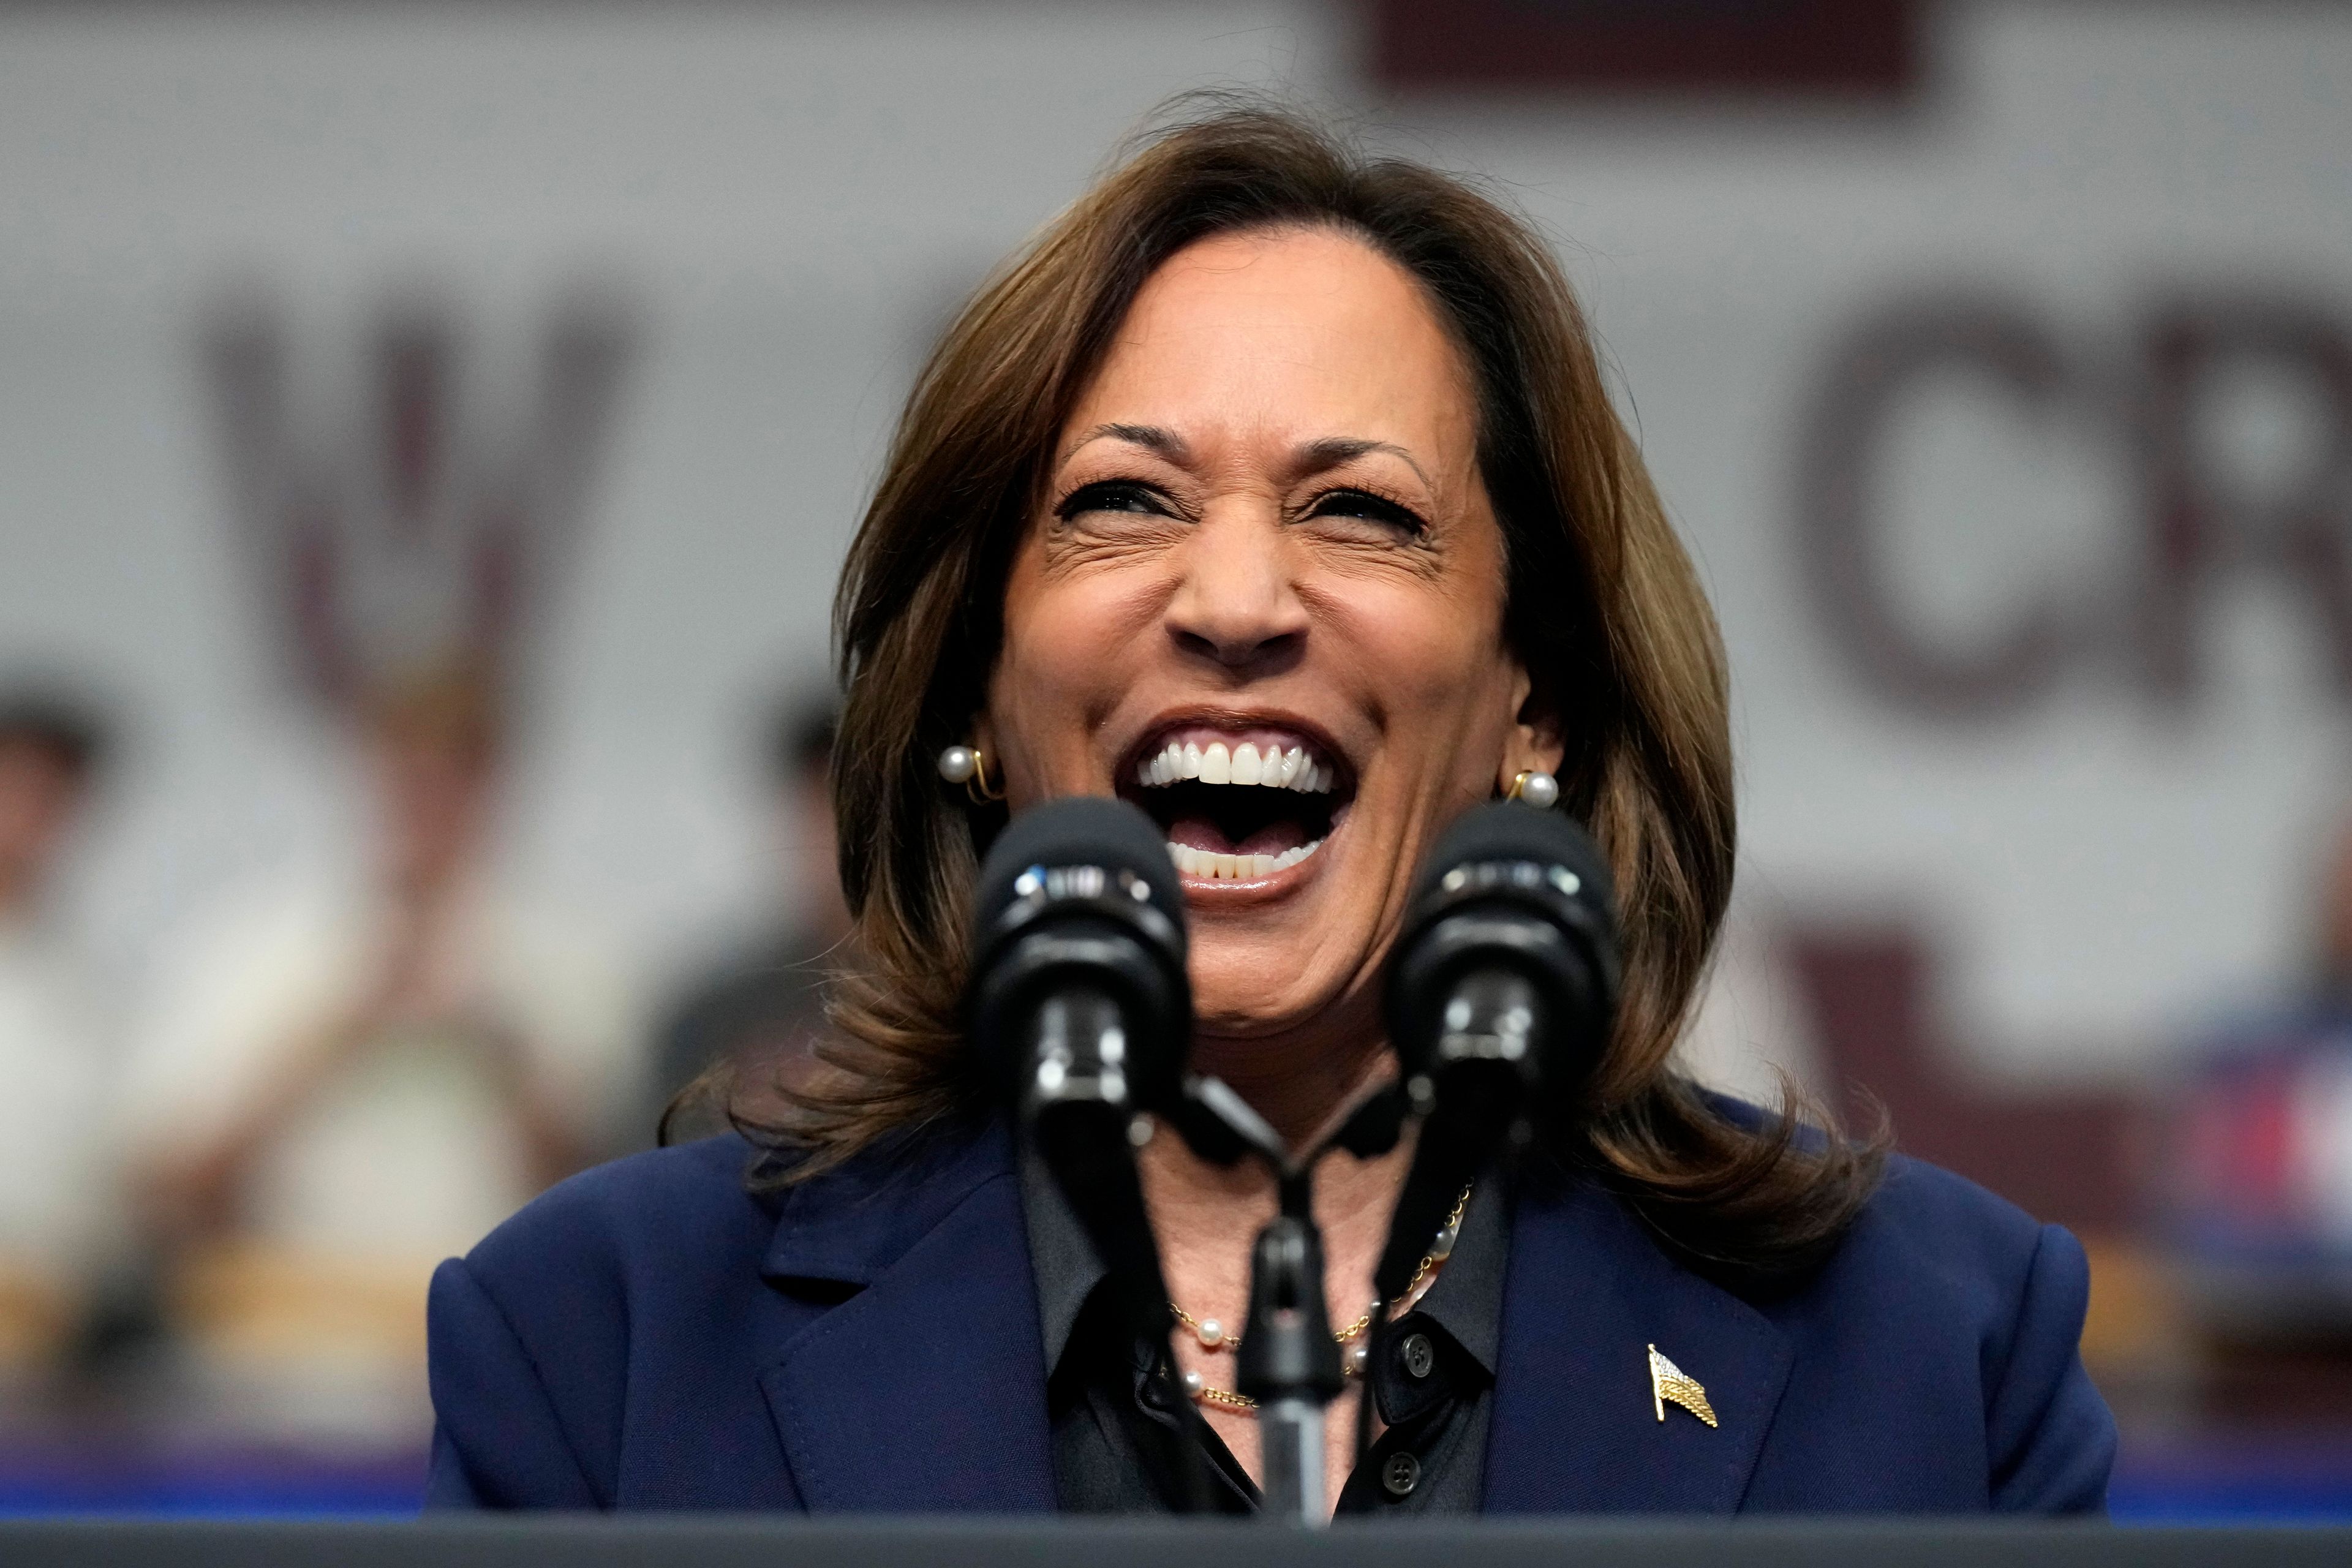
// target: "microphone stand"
[[1289, 1361]]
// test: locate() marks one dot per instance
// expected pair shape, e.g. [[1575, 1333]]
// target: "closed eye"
[[1113, 495], [1364, 504]]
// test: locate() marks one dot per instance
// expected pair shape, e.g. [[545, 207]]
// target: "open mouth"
[[1238, 806]]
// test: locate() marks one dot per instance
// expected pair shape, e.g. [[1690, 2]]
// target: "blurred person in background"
[[348, 1077], [2260, 1191], [757, 1014], [57, 1211]]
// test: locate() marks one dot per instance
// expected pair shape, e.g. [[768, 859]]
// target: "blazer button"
[[1401, 1475], [1419, 1355]]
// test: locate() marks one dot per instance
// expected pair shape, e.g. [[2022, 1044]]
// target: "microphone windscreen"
[[1077, 830], [1506, 830], [1509, 888]]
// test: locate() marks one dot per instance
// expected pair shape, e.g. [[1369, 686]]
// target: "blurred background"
[[428, 433]]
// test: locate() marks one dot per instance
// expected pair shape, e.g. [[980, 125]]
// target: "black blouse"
[[1111, 1417]]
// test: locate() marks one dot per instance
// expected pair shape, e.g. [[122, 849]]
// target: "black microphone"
[[1079, 1005], [1500, 996], [1080, 1010]]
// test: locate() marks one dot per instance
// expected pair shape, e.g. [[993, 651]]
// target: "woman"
[[1276, 491]]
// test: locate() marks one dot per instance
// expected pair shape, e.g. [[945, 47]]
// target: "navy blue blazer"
[[649, 1335]]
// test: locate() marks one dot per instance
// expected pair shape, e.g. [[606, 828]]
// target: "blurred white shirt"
[[409, 1154], [58, 1210]]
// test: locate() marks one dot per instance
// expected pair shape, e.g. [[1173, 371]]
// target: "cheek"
[[1070, 649], [1063, 643], [1432, 662]]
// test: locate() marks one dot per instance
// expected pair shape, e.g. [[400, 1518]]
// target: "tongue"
[[1200, 833]]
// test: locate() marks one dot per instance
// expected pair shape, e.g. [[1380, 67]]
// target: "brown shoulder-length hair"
[[1603, 609]]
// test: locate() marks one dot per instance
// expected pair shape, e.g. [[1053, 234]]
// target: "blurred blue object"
[[2222, 1481], [2194, 1482], [208, 1482]]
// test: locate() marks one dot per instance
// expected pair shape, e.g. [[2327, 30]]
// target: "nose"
[[1238, 604]]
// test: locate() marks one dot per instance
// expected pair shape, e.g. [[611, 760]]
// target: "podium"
[[547, 1540]]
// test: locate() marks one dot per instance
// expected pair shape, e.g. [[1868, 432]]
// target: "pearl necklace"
[[1212, 1334]]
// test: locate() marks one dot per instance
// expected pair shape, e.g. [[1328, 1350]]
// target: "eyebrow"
[[1315, 457], [1333, 451], [1152, 437]]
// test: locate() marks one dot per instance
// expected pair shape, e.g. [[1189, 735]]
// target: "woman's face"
[[1263, 601]]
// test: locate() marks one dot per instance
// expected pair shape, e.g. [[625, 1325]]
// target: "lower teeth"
[[1222, 868]]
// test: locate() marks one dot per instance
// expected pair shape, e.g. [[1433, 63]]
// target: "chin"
[[1252, 989]]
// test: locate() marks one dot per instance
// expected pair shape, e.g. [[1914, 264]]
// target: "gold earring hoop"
[[968, 765], [1537, 788], [981, 790]]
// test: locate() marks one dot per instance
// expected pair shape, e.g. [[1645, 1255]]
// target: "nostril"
[[1239, 652], [1194, 643]]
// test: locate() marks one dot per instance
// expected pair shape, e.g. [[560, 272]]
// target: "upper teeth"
[[1243, 764]]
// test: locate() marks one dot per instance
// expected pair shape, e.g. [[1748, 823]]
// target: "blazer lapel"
[[1586, 1293], [925, 1390]]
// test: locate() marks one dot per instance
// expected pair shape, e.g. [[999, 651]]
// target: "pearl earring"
[[1538, 789], [968, 765]]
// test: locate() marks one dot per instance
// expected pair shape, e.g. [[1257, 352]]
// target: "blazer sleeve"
[[2049, 1435], [497, 1441]]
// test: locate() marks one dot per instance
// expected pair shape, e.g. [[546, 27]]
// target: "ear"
[[1535, 744]]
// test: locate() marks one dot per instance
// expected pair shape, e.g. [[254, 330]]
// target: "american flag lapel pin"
[[1671, 1384]]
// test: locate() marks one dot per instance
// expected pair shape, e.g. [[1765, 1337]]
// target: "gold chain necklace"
[[1212, 1336]]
